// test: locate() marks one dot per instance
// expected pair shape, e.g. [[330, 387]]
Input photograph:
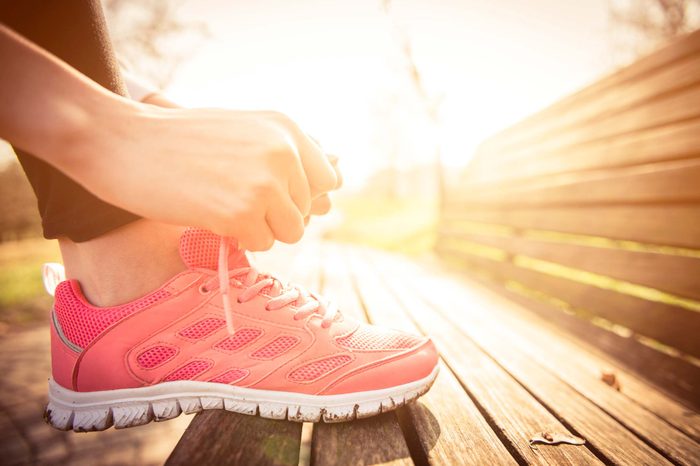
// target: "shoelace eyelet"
[[203, 289]]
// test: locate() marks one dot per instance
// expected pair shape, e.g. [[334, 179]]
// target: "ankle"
[[125, 263]]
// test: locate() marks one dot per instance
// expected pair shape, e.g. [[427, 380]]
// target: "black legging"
[[76, 32]]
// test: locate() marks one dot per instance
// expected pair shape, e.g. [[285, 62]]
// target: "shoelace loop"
[[307, 303]]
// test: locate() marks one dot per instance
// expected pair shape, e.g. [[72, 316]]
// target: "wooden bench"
[[589, 214], [579, 232]]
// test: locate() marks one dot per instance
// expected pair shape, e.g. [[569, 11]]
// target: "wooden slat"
[[660, 183], [606, 105], [601, 432], [449, 427], [674, 375], [221, 437], [514, 412], [668, 110], [674, 142], [362, 442], [667, 69], [677, 275], [676, 225], [582, 371], [490, 332], [377, 440]]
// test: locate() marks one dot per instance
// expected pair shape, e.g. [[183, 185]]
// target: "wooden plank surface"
[[675, 225], [222, 437], [675, 375], [609, 437], [582, 371], [606, 103], [672, 325], [499, 320], [671, 142], [376, 440], [665, 111], [448, 426], [642, 70], [675, 274], [555, 341], [512, 410], [659, 183]]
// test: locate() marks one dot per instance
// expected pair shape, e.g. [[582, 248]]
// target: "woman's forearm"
[[48, 108]]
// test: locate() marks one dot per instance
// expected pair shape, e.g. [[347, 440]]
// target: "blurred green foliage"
[[406, 225]]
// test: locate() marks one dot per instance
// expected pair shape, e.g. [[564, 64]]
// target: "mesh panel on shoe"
[[234, 375], [155, 356], [200, 248], [318, 369], [369, 338], [276, 347], [81, 323], [202, 328], [189, 371], [239, 339]]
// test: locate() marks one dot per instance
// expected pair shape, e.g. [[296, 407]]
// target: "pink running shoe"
[[278, 351]]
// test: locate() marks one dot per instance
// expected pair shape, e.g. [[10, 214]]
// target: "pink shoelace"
[[306, 303]]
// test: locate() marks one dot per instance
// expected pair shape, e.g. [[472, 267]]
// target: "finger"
[[321, 205], [255, 235], [333, 159], [285, 221], [318, 168], [299, 189]]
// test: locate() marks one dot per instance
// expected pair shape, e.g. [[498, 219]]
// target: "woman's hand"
[[248, 175], [320, 205]]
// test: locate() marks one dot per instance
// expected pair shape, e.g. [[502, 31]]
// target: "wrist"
[[94, 132]]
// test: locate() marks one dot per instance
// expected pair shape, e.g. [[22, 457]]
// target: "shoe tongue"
[[200, 249]]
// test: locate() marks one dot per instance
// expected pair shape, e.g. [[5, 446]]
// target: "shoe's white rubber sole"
[[91, 411]]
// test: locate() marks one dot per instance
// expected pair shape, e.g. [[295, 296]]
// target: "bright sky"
[[336, 67]]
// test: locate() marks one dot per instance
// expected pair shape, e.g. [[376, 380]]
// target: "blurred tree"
[[430, 103], [644, 25], [151, 38]]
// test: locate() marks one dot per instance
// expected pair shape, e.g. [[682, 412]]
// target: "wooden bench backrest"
[[589, 213]]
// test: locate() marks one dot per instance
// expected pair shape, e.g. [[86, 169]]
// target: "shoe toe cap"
[[400, 369]]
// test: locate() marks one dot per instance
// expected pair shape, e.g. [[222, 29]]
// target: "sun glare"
[[337, 68]]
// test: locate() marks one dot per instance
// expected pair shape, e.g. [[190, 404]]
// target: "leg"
[[115, 256]]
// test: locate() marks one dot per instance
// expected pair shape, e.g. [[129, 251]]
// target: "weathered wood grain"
[[670, 182], [606, 103], [674, 325], [221, 437], [667, 110], [672, 273], [572, 312], [512, 410], [582, 371], [367, 441], [670, 225], [448, 425], [605, 434], [665, 143], [646, 69], [501, 322]]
